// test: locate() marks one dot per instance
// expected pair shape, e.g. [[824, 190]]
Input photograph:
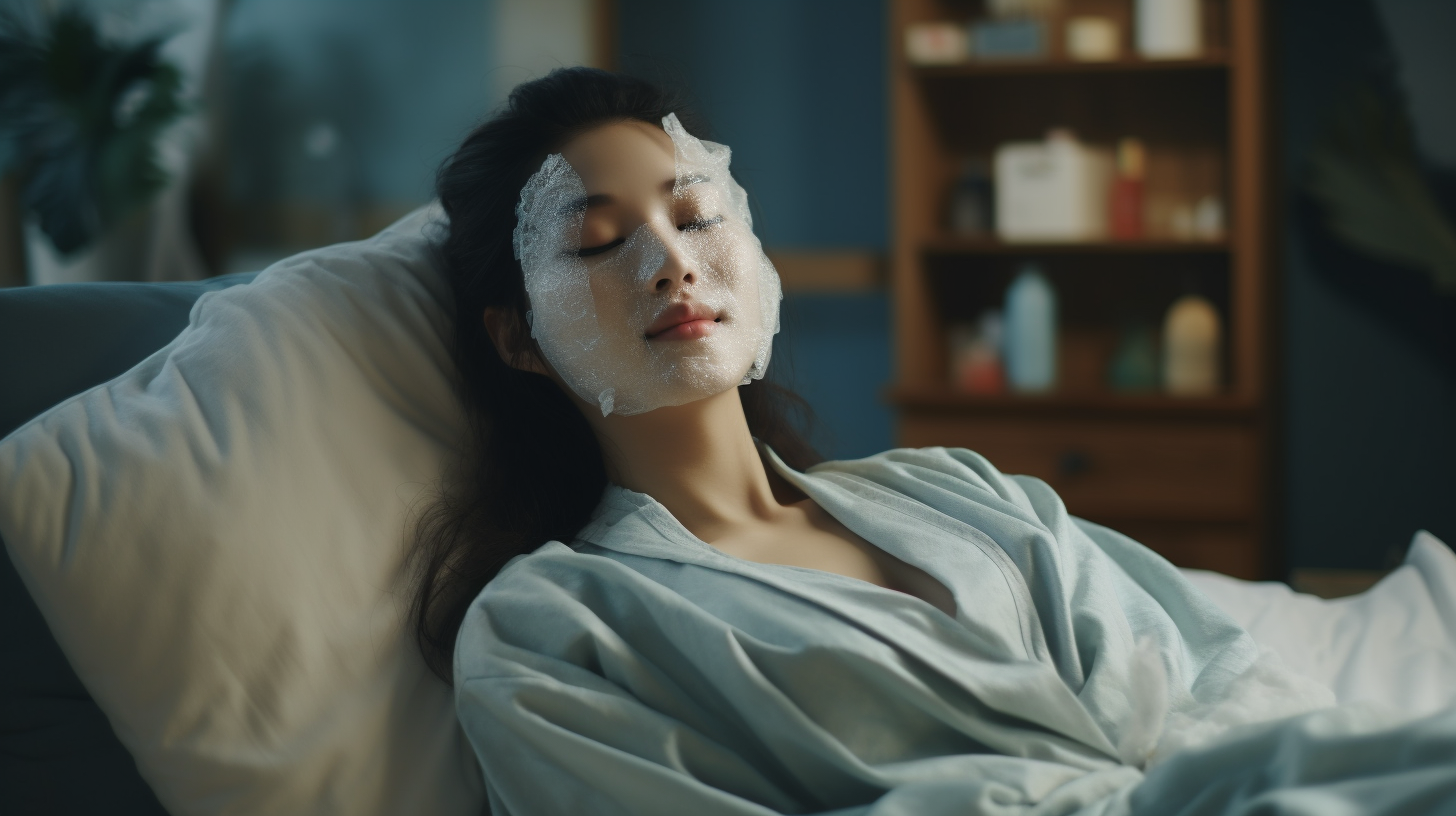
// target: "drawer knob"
[[1073, 463]]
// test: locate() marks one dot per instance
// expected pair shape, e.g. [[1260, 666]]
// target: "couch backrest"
[[58, 754]]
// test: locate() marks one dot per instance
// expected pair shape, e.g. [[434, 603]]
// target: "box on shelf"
[[1053, 190], [1017, 38], [939, 43]]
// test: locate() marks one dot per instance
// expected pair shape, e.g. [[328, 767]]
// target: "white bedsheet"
[[1394, 644]]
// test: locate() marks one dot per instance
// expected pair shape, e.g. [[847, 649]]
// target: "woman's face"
[[647, 285]]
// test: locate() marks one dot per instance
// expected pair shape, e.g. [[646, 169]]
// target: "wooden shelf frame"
[[1211, 112], [923, 162]]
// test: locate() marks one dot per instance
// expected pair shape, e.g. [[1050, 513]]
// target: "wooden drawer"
[[1115, 469]]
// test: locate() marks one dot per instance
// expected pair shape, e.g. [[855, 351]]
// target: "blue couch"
[[58, 754]]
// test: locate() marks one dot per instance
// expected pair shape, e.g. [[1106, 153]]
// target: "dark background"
[[1368, 368]]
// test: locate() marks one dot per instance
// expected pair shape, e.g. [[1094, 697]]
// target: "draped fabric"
[[639, 670]]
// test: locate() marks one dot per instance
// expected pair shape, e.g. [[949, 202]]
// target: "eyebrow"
[[597, 199], [586, 202]]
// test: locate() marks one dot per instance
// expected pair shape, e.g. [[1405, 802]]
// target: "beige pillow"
[[217, 539]]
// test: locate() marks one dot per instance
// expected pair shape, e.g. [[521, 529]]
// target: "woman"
[[698, 621]]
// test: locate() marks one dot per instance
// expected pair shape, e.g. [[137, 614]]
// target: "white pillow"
[[217, 540], [1394, 644]]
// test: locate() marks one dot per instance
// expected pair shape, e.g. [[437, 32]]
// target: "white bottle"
[[1192, 337], [1169, 29], [1029, 336]]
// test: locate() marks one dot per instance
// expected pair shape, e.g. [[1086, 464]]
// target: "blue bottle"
[[1030, 339]]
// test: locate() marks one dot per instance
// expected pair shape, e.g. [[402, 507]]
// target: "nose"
[[678, 267]]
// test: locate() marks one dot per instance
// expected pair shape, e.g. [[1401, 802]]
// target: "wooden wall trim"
[[604, 22], [829, 270]]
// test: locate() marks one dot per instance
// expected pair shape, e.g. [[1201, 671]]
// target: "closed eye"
[[701, 223], [587, 252]]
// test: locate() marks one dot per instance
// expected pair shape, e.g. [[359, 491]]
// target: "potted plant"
[[80, 118]]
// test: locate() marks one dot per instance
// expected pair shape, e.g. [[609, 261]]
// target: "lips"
[[684, 321]]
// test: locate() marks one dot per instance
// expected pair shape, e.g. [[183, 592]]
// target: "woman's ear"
[[512, 342]]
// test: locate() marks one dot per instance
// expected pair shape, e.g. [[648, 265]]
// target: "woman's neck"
[[699, 460]]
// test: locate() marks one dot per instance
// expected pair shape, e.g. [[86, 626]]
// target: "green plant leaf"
[[1366, 175], [79, 122]]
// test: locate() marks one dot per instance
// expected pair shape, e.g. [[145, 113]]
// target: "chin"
[[684, 381]]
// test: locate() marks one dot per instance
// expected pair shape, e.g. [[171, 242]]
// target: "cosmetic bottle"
[[1125, 197], [971, 201], [1192, 337], [1092, 39], [1030, 333], [1168, 29], [1208, 218], [1134, 365], [976, 356]]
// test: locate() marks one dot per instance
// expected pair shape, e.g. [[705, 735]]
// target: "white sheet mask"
[[591, 316]]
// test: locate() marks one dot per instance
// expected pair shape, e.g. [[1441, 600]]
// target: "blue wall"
[[799, 91], [400, 83], [834, 351]]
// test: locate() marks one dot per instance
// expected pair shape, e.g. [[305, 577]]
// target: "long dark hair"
[[532, 470]]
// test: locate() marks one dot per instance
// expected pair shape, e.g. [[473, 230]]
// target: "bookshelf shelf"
[[1104, 405], [1057, 67], [950, 245], [1188, 477]]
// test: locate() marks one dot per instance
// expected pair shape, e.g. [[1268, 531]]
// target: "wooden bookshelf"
[[1189, 477]]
